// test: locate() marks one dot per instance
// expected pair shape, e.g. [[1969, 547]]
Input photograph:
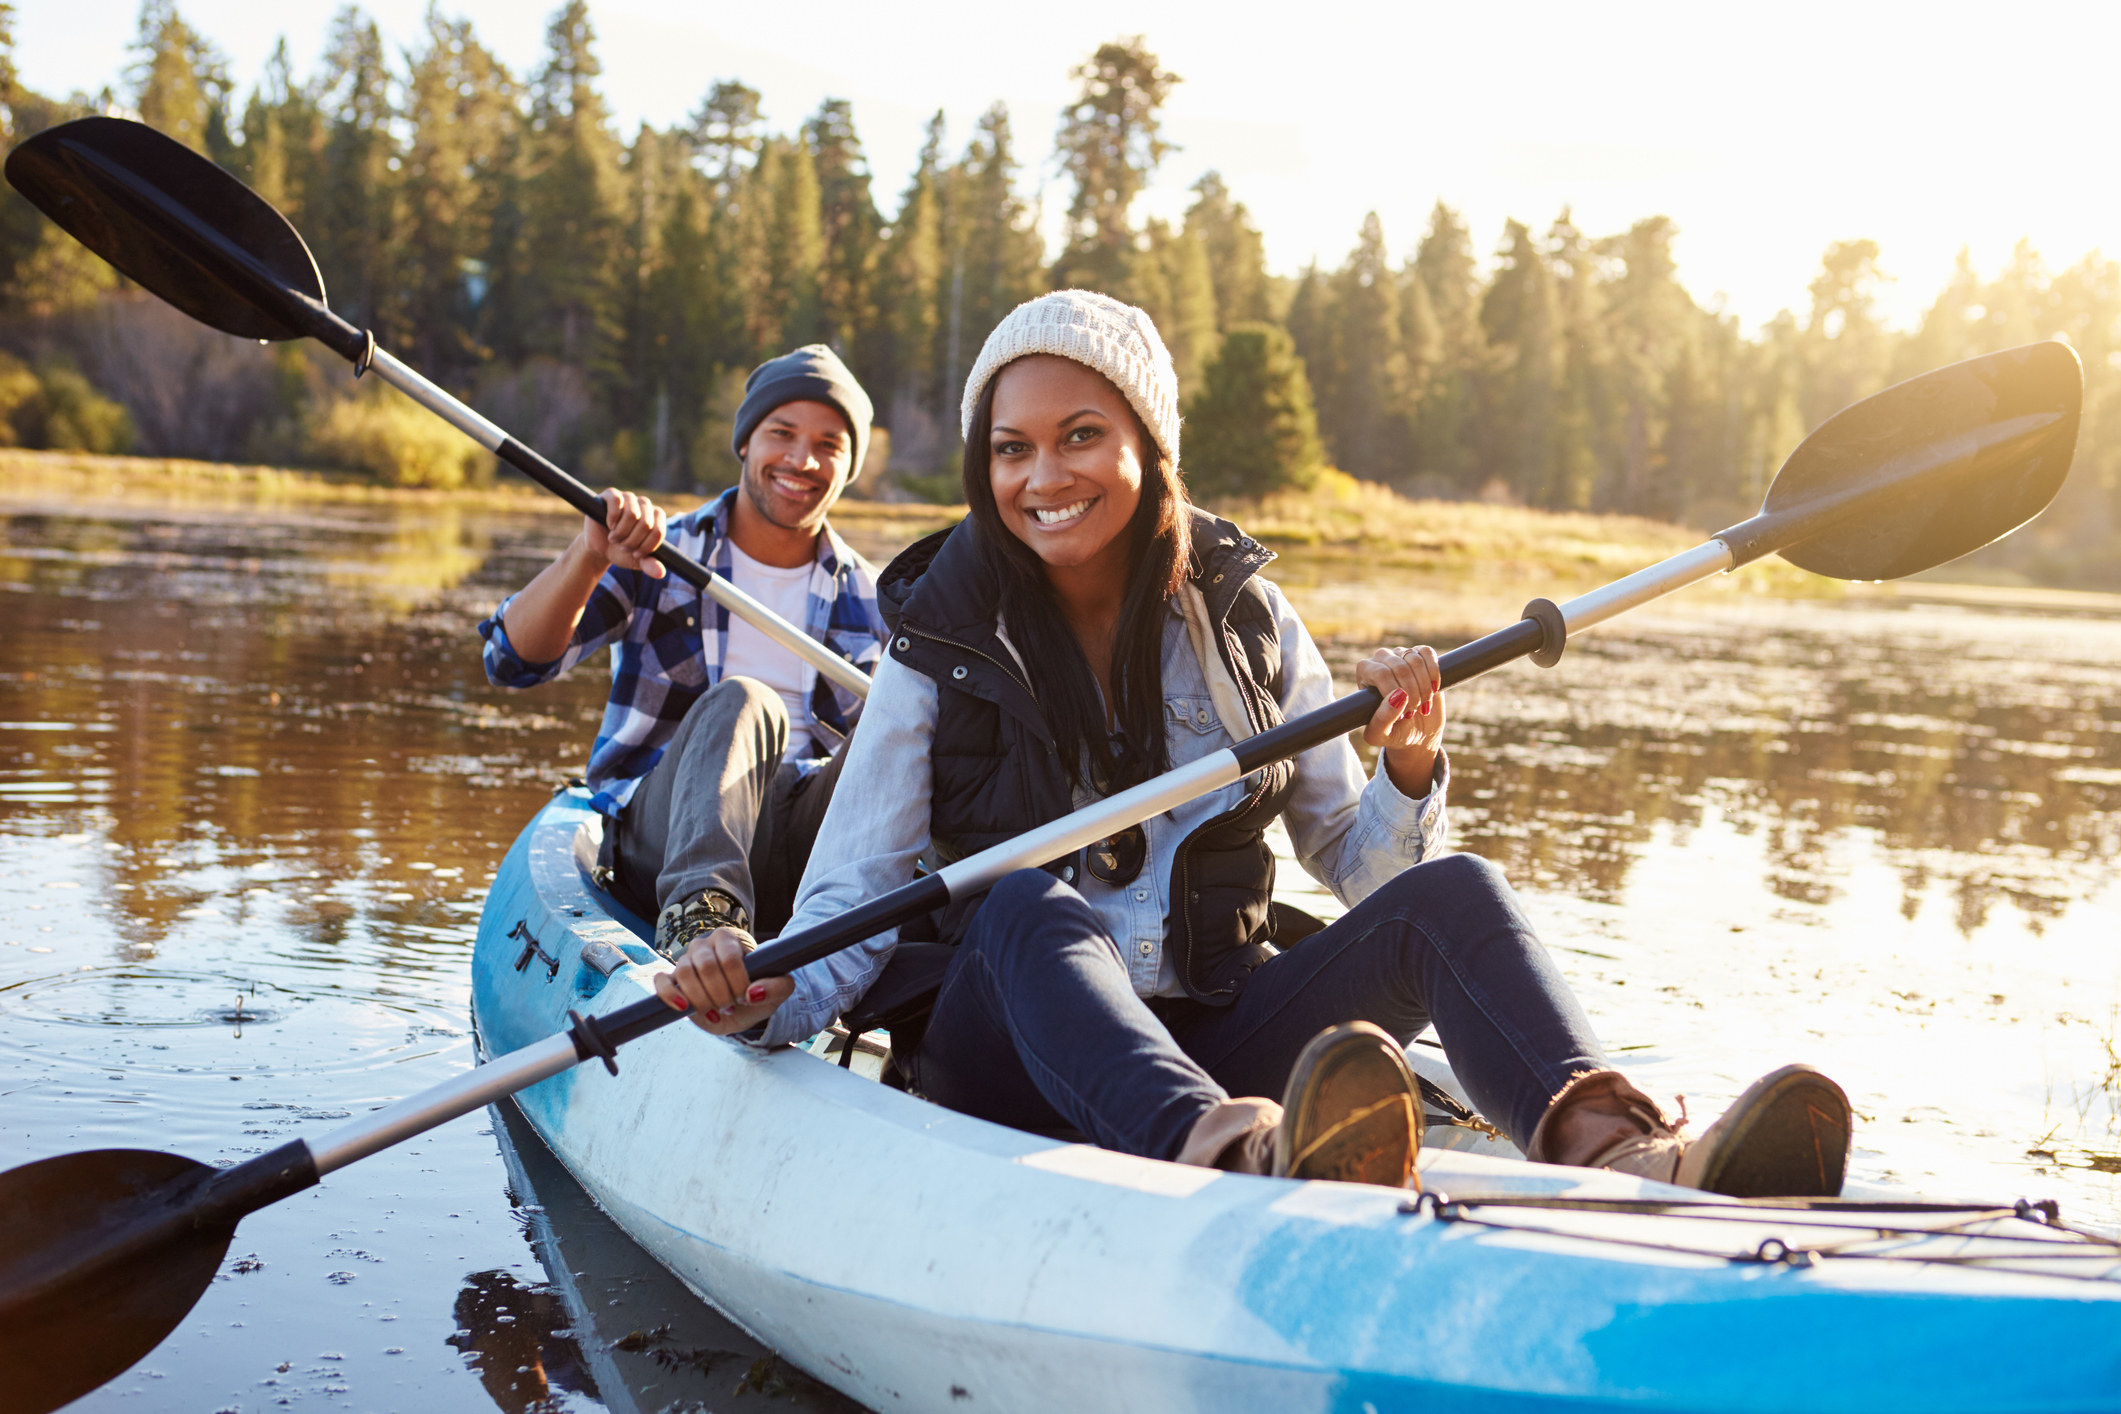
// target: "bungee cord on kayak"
[[1979, 1243]]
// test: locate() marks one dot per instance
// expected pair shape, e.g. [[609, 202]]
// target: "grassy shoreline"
[[1344, 517], [1358, 557]]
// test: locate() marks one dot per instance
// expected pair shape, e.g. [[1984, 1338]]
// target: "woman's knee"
[[1031, 908], [1453, 876]]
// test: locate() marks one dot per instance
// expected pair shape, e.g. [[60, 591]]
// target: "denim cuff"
[[1412, 819]]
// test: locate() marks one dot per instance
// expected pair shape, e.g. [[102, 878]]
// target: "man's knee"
[[737, 707], [741, 696]]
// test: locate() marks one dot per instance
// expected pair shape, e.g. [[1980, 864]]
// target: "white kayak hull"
[[920, 1259]]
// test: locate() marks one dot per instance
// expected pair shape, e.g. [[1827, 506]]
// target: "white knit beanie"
[[1098, 332]]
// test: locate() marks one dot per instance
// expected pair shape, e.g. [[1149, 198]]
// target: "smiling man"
[[719, 748]]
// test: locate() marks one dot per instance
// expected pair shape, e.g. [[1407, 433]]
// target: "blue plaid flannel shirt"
[[661, 661]]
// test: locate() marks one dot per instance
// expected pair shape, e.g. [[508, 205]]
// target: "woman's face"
[[1066, 460]]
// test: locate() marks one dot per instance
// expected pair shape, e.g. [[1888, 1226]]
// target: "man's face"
[[796, 463]]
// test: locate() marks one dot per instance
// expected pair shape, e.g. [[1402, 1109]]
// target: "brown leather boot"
[[1787, 1136], [1348, 1114]]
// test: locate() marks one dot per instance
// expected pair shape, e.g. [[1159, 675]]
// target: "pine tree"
[[1845, 351], [1183, 302], [1651, 322], [283, 139], [10, 77], [684, 308], [993, 254], [725, 132], [180, 81], [1111, 142], [461, 108], [354, 207], [1442, 437], [910, 374], [1250, 428], [796, 249], [1310, 324], [1367, 406], [43, 271], [1236, 254], [849, 225], [1582, 410], [1521, 321], [569, 206]]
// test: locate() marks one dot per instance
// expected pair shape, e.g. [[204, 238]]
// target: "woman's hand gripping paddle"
[[103, 1253], [191, 233]]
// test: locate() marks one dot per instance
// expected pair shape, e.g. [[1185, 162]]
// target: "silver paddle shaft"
[[416, 1114], [1704, 561], [487, 434]]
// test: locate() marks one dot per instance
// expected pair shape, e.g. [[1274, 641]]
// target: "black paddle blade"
[[174, 222], [82, 1297], [1941, 464]]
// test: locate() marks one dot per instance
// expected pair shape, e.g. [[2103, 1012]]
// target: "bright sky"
[[1765, 131]]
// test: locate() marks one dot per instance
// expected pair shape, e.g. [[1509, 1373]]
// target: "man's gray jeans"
[[721, 810]]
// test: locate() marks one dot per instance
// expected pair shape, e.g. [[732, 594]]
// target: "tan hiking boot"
[[1348, 1113], [1787, 1136]]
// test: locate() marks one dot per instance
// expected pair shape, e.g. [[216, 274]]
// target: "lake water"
[[253, 784]]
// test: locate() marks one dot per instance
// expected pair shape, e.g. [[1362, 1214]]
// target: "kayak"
[[919, 1259]]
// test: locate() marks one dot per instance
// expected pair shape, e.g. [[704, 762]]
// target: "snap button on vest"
[[903, 644], [1067, 873], [958, 672]]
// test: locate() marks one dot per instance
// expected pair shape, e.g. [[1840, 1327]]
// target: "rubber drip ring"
[[590, 1040], [1553, 629], [368, 353]]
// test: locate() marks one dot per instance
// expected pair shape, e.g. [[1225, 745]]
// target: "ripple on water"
[[130, 995], [196, 1011]]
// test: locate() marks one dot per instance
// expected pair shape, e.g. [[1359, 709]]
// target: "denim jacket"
[[1350, 834]]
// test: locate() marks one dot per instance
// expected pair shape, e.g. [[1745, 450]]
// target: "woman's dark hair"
[[1160, 554]]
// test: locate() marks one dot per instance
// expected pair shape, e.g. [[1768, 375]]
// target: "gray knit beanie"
[[813, 373], [1098, 332]]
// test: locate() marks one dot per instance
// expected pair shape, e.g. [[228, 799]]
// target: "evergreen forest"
[[603, 295]]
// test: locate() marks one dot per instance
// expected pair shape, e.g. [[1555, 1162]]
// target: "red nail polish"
[[1398, 698], [757, 992]]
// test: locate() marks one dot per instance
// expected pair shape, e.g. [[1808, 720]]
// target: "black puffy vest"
[[997, 772]]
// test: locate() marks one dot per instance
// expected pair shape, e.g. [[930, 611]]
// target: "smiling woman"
[[1080, 510]]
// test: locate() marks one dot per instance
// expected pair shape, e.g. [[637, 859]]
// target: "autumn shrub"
[[55, 409], [383, 434]]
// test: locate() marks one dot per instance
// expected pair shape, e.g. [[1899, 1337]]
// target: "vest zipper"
[[968, 648]]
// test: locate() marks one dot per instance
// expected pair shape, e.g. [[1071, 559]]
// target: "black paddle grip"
[[567, 487], [1300, 734]]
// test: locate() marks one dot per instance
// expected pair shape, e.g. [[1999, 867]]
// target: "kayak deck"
[[902, 1252]]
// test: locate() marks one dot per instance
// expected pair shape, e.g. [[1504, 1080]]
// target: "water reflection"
[[1984, 771], [253, 784], [517, 1338]]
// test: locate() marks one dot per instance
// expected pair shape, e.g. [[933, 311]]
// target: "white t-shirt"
[[753, 655]]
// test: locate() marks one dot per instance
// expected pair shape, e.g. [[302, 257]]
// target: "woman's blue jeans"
[[1037, 1026]]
